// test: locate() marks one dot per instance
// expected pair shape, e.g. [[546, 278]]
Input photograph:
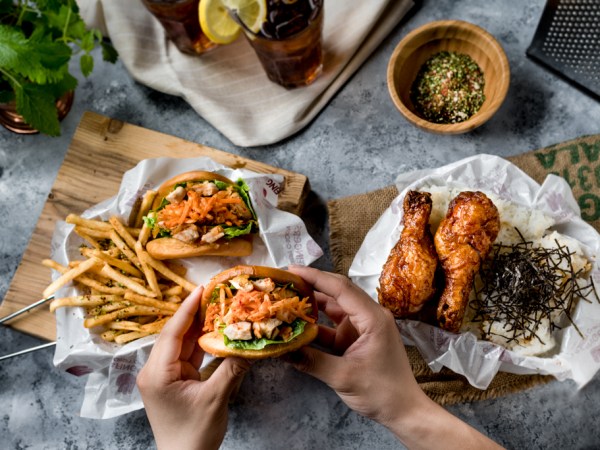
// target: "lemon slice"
[[216, 21], [252, 13]]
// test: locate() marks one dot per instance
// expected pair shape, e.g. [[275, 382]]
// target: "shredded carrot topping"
[[220, 208], [256, 306]]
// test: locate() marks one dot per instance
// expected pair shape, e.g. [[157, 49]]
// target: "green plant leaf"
[[67, 83], [12, 45], [87, 42], [109, 53], [86, 63], [68, 21], [49, 5], [53, 55], [41, 62], [37, 40], [37, 106]]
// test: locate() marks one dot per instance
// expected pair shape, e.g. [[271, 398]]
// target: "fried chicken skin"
[[462, 241], [407, 279]]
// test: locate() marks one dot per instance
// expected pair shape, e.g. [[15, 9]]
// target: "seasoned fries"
[[147, 201], [127, 294], [69, 276]]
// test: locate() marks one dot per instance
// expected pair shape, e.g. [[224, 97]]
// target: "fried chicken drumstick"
[[407, 279], [462, 241]]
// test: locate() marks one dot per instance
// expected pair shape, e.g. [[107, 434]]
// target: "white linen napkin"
[[227, 86]]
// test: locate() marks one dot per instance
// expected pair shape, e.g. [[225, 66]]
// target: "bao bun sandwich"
[[257, 312], [201, 213]]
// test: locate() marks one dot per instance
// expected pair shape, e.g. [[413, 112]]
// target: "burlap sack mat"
[[350, 218]]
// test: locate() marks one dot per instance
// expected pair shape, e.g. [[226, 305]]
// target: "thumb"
[[317, 363], [227, 378]]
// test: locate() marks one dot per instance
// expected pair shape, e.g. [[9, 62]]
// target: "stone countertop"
[[358, 143]]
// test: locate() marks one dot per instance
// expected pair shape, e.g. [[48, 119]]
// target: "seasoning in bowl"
[[448, 88]]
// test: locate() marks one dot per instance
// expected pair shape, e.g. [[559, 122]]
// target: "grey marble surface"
[[358, 143]]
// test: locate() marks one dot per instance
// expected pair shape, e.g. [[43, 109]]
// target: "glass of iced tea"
[[288, 44], [179, 18]]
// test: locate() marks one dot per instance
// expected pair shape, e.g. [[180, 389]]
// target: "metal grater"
[[567, 41]]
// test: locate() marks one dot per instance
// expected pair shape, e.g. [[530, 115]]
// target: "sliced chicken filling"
[[247, 309]]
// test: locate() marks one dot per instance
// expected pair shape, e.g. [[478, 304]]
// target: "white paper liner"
[[577, 358], [110, 390]]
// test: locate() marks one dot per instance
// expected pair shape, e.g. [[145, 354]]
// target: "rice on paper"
[[517, 224], [545, 214]]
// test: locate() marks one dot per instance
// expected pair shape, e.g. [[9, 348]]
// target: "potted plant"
[[37, 40]]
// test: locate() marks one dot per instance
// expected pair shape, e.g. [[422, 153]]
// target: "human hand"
[[185, 412], [367, 365], [366, 362]]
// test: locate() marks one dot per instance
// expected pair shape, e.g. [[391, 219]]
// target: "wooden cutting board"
[[101, 151]]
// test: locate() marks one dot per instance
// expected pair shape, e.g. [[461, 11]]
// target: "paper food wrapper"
[[111, 390], [577, 357]]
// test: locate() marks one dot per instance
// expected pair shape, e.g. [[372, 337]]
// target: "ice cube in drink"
[[288, 44]]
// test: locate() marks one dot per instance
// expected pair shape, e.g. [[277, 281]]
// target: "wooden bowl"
[[454, 36]]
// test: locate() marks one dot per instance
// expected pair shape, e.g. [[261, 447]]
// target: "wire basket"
[[567, 41]]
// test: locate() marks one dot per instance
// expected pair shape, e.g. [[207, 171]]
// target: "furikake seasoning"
[[448, 88]]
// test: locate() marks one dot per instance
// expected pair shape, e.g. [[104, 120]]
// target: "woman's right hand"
[[367, 365]]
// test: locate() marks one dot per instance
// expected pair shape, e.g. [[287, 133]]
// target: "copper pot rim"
[[13, 121]]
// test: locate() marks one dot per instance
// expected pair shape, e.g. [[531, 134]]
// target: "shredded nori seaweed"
[[523, 284]]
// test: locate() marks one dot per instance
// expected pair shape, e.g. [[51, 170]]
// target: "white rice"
[[534, 226]]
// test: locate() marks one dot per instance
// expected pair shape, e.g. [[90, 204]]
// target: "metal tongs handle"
[[27, 308], [18, 313], [27, 350]]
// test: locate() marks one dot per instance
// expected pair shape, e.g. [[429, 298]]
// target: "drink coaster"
[[567, 41]]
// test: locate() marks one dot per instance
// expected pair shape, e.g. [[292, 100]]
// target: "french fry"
[[147, 301], [92, 232], [136, 310], [131, 336], [108, 307], [85, 280], [145, 319], [110, 335], [174, 290], [145, 233], [95, 273], [129, 293], [120, 264], [96, 224], [69, 276], [126, 325], [156, 326], [113, 251], [120, 228], [86, 301], [89, 239], [122, 245], [147, 201], [160, 267], [125, 281], [148, 270], [88, 223]]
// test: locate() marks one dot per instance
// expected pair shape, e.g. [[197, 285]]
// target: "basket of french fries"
[[131, 294], [112, 298]]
